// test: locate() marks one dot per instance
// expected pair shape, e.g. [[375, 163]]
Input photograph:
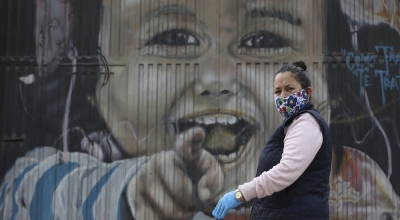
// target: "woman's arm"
[[301, 144]]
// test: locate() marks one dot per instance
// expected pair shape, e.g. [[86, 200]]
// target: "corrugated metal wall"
[[100, 100]]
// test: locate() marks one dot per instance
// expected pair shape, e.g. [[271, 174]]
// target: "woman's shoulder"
[[305, 120], [306, 117]]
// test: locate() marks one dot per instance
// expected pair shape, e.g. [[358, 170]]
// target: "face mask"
[[291, 104]]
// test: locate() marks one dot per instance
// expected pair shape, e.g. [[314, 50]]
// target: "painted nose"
[[217, 78], [217, 82], [223, 92]]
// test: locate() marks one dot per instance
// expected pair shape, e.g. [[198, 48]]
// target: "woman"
[[292, 179]]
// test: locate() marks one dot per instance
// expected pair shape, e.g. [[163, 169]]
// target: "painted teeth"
[[199, 120], [209, 121], [229, 157], [212, 120], [222, 120], [232, 120]]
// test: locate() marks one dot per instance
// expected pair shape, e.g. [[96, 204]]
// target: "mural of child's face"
[[188, 63]]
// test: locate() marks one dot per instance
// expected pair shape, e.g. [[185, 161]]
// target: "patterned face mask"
[[291, 104]]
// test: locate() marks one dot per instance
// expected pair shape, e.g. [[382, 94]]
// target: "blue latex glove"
[[227, 202]]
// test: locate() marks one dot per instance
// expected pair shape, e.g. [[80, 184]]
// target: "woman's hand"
[[227, 202]]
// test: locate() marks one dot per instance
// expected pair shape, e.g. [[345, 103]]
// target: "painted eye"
[[263, 39], [177, 37]]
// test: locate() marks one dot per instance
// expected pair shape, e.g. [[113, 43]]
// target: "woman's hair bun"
[[301, 65]]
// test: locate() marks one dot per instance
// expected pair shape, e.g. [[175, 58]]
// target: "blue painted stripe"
[[42, 201], [87, 208], [137, 165], [16, 186], [2, 194], [119, 208]]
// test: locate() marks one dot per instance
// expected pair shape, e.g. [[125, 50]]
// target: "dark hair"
[[298, 70]]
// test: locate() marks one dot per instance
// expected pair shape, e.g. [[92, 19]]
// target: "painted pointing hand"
[[176, 184]]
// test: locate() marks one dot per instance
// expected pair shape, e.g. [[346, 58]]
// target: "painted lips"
[[227, 136]]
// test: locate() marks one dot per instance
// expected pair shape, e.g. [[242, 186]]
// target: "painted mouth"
[[227, 136]]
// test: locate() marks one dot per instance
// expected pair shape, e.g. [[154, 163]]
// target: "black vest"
[[307, 197]]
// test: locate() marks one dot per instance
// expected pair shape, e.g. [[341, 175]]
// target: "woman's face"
[[178, 64], [285, 84]]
